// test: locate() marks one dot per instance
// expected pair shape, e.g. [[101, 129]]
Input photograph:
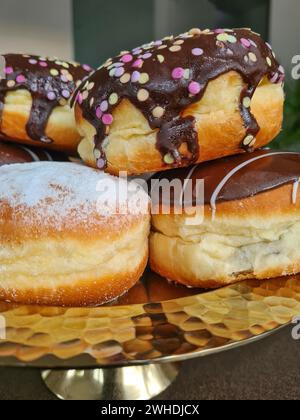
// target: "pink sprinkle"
[[194, 88], [135, 76], [107, 119], [197, 51], [127, 58], [33, 61], [104, 106], [219, 31], [21, 79], [79, 98], [178, 73], [138, 63], [86, 67], [99, 113], [43, 64], [119, 72], [245, 42], [51, 96], [66, 94], [8, 70]]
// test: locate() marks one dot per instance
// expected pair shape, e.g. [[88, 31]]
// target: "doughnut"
[[66, 237], [16, 153], [246, 226], [200, 96], [35, 97]]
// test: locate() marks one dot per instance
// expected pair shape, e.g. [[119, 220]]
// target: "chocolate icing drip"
[[50, 82], [259, 172], [165, 77]]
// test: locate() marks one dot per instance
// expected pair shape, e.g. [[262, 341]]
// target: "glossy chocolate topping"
[[51, 83], [15, 153], [163, 78], [237, 177]]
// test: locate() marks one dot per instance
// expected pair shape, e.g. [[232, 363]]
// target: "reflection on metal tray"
[[156, 321]]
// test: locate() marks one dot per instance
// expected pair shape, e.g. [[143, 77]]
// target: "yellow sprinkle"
[[54, 72], [11, 83], [92, 102], [253, 57], [113, 99], [63, 102], [158, 112], [169, 160], [162, 47], [222, 37], [269, 61], [65, 65], [70, 77], [125, 78], [195, 31], [247, 102], [143, 95], [161, 58], [175, 48], [90, 86], [248, 140], [144, 78], [179, 42]]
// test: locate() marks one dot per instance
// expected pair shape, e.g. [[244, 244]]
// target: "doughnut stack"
[[197, 108]]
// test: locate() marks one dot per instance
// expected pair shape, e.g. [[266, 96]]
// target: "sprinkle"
[[113, 99], [146, 56], [194, 88], [85, 95], [97, 154], [65, 65], [137, 51], [197, 52], [125, 78], [112, 72], [274, 78], [64, 78], [281, 69], [8, 70], [222, 37], [101, 163], [119, 72], [168, 159], [175, 48], [245, 42], [86, 67], [66, 94], [65, 72], [178, 73], [219, 31], [144, 78], [63, 102], [186, 74], [246, 58], [135, 77], [143, 95], [70, 77], [79, 98], [232, 39], [33, 61], [104, 106], [162, 47], [179, 42], [43, 64], [11, 83], [195, 31], [158, 112], [90, 86], [21, 79], [99, 113], [253, 57], [269, 61], [107, 119], [161, 58], [158, 43], [138, 63], [247, 102], [117, 64], [54, 72], [248, 140], [127, 58], [51, 96], [92, 102]]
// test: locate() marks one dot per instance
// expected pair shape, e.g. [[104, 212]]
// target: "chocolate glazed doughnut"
[[33, 88], [251, 224], [164, 80], [16, 153]]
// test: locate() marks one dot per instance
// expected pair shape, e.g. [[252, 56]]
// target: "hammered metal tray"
[[155, 322]]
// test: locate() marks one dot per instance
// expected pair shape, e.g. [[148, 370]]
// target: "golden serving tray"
[[141, 336]]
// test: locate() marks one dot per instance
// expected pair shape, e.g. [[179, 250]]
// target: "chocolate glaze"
[[15, 153], [44, 79], [200, 57], [265, 170]]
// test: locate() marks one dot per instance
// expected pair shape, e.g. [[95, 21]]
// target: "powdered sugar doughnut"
[[69, 235]]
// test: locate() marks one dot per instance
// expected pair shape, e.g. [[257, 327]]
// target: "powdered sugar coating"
[[52, 194]]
